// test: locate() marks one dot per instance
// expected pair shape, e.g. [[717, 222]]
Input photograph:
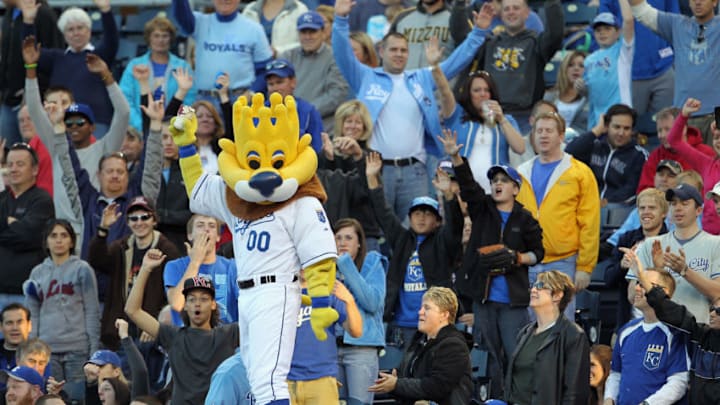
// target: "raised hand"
[[637, 267], [676, 262], [141, 73], [348, 146], [442, 182], [96, 64], [156, 110], [183, 78], [691, 106], [199, 248], [102, 5], [658, 257], [30, 50], [449, 141], [483, 19], [343, 7], [433, 51], [328, 149], [153, 258], [373, 165], [122, 327], [110, 215]]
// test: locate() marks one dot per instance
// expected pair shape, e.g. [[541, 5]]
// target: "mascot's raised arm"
[[269, 196]]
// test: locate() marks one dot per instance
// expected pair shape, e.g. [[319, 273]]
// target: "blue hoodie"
[[368, 288], [373, 86]]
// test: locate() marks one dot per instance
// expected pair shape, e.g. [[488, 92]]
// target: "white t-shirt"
[[399, 131], [209, 159], [480, 158], [283, 242]]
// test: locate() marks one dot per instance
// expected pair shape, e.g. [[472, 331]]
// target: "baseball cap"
[[715, 191], [425, 202], [103, 357], [310, 20], [198, 282], [24, 374], [140, 202], [447, 167], [684, 192], [509, 171], [605, 18], [673, 165], [280, 67], [81, 109]]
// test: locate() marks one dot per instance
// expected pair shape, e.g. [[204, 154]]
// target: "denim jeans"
[[69, 367], [495, 329], [357, 370], [403, 183], [566, 266], [9, 124]]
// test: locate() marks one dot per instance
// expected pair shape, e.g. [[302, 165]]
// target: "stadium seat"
[[577, 13], [135, 23], [587, 314], [551, 71], [96, 21]]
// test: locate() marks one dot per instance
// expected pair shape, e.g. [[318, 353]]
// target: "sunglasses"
[[540, 285], [479, 73], [143, 217], [78, 122], [716, 309]]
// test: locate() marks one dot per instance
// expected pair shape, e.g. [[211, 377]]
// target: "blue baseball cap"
[[310, 20], [103, 357], [605, 18], [425, 202], [279, 67], [81, 109], [509, 171], [684, 192], [24, 374]]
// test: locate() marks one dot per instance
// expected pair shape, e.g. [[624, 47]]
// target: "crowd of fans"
[[470, 201]]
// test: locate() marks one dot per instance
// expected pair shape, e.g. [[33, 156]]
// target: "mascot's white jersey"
[[265, 246]]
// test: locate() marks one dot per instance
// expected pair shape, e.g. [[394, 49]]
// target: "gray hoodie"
[[64, 306]]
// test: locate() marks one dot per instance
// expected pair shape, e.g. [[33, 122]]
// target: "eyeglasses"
[[143, 217], [78, 122], [541, 285], [276, 64], [701, 34], [716, 309], [479, 73]]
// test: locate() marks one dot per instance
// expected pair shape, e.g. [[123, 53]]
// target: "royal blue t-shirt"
[[312, 358], [159, 70], [499, 291], [540, 176], [413, 288]]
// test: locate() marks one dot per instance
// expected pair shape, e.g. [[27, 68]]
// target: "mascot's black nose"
[[265, 183]]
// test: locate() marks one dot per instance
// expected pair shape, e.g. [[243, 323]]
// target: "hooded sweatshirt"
[[694, 139], [64, 306]]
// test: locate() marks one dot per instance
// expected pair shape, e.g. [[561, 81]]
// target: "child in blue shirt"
[[608, 71]]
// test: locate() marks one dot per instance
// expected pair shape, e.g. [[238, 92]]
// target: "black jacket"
[[437, 370], [617, 171], [562, 365], [21, 243], [705, 364], [173, 207], [12, 71], [437, 252], [522, 233]]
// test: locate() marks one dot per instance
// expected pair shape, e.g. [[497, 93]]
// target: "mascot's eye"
[[278, 159], [253, 160]]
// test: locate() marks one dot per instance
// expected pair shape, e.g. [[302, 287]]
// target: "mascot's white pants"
[[267, 318]]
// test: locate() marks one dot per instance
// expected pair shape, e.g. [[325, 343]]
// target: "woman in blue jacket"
[[483, 130], [161, 65], [363, 273]]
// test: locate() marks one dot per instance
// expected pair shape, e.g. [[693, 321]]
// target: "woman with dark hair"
[[363, 273], [209, 131], [600, 357], [484, 132], [113, 391], [551, 363], [61, 294]]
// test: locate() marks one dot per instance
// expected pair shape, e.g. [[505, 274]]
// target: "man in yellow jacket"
[[562, 194]]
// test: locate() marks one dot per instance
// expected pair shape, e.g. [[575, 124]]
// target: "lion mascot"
[[270, 199]]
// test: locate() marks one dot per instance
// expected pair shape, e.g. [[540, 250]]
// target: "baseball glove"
[[497, 258]]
